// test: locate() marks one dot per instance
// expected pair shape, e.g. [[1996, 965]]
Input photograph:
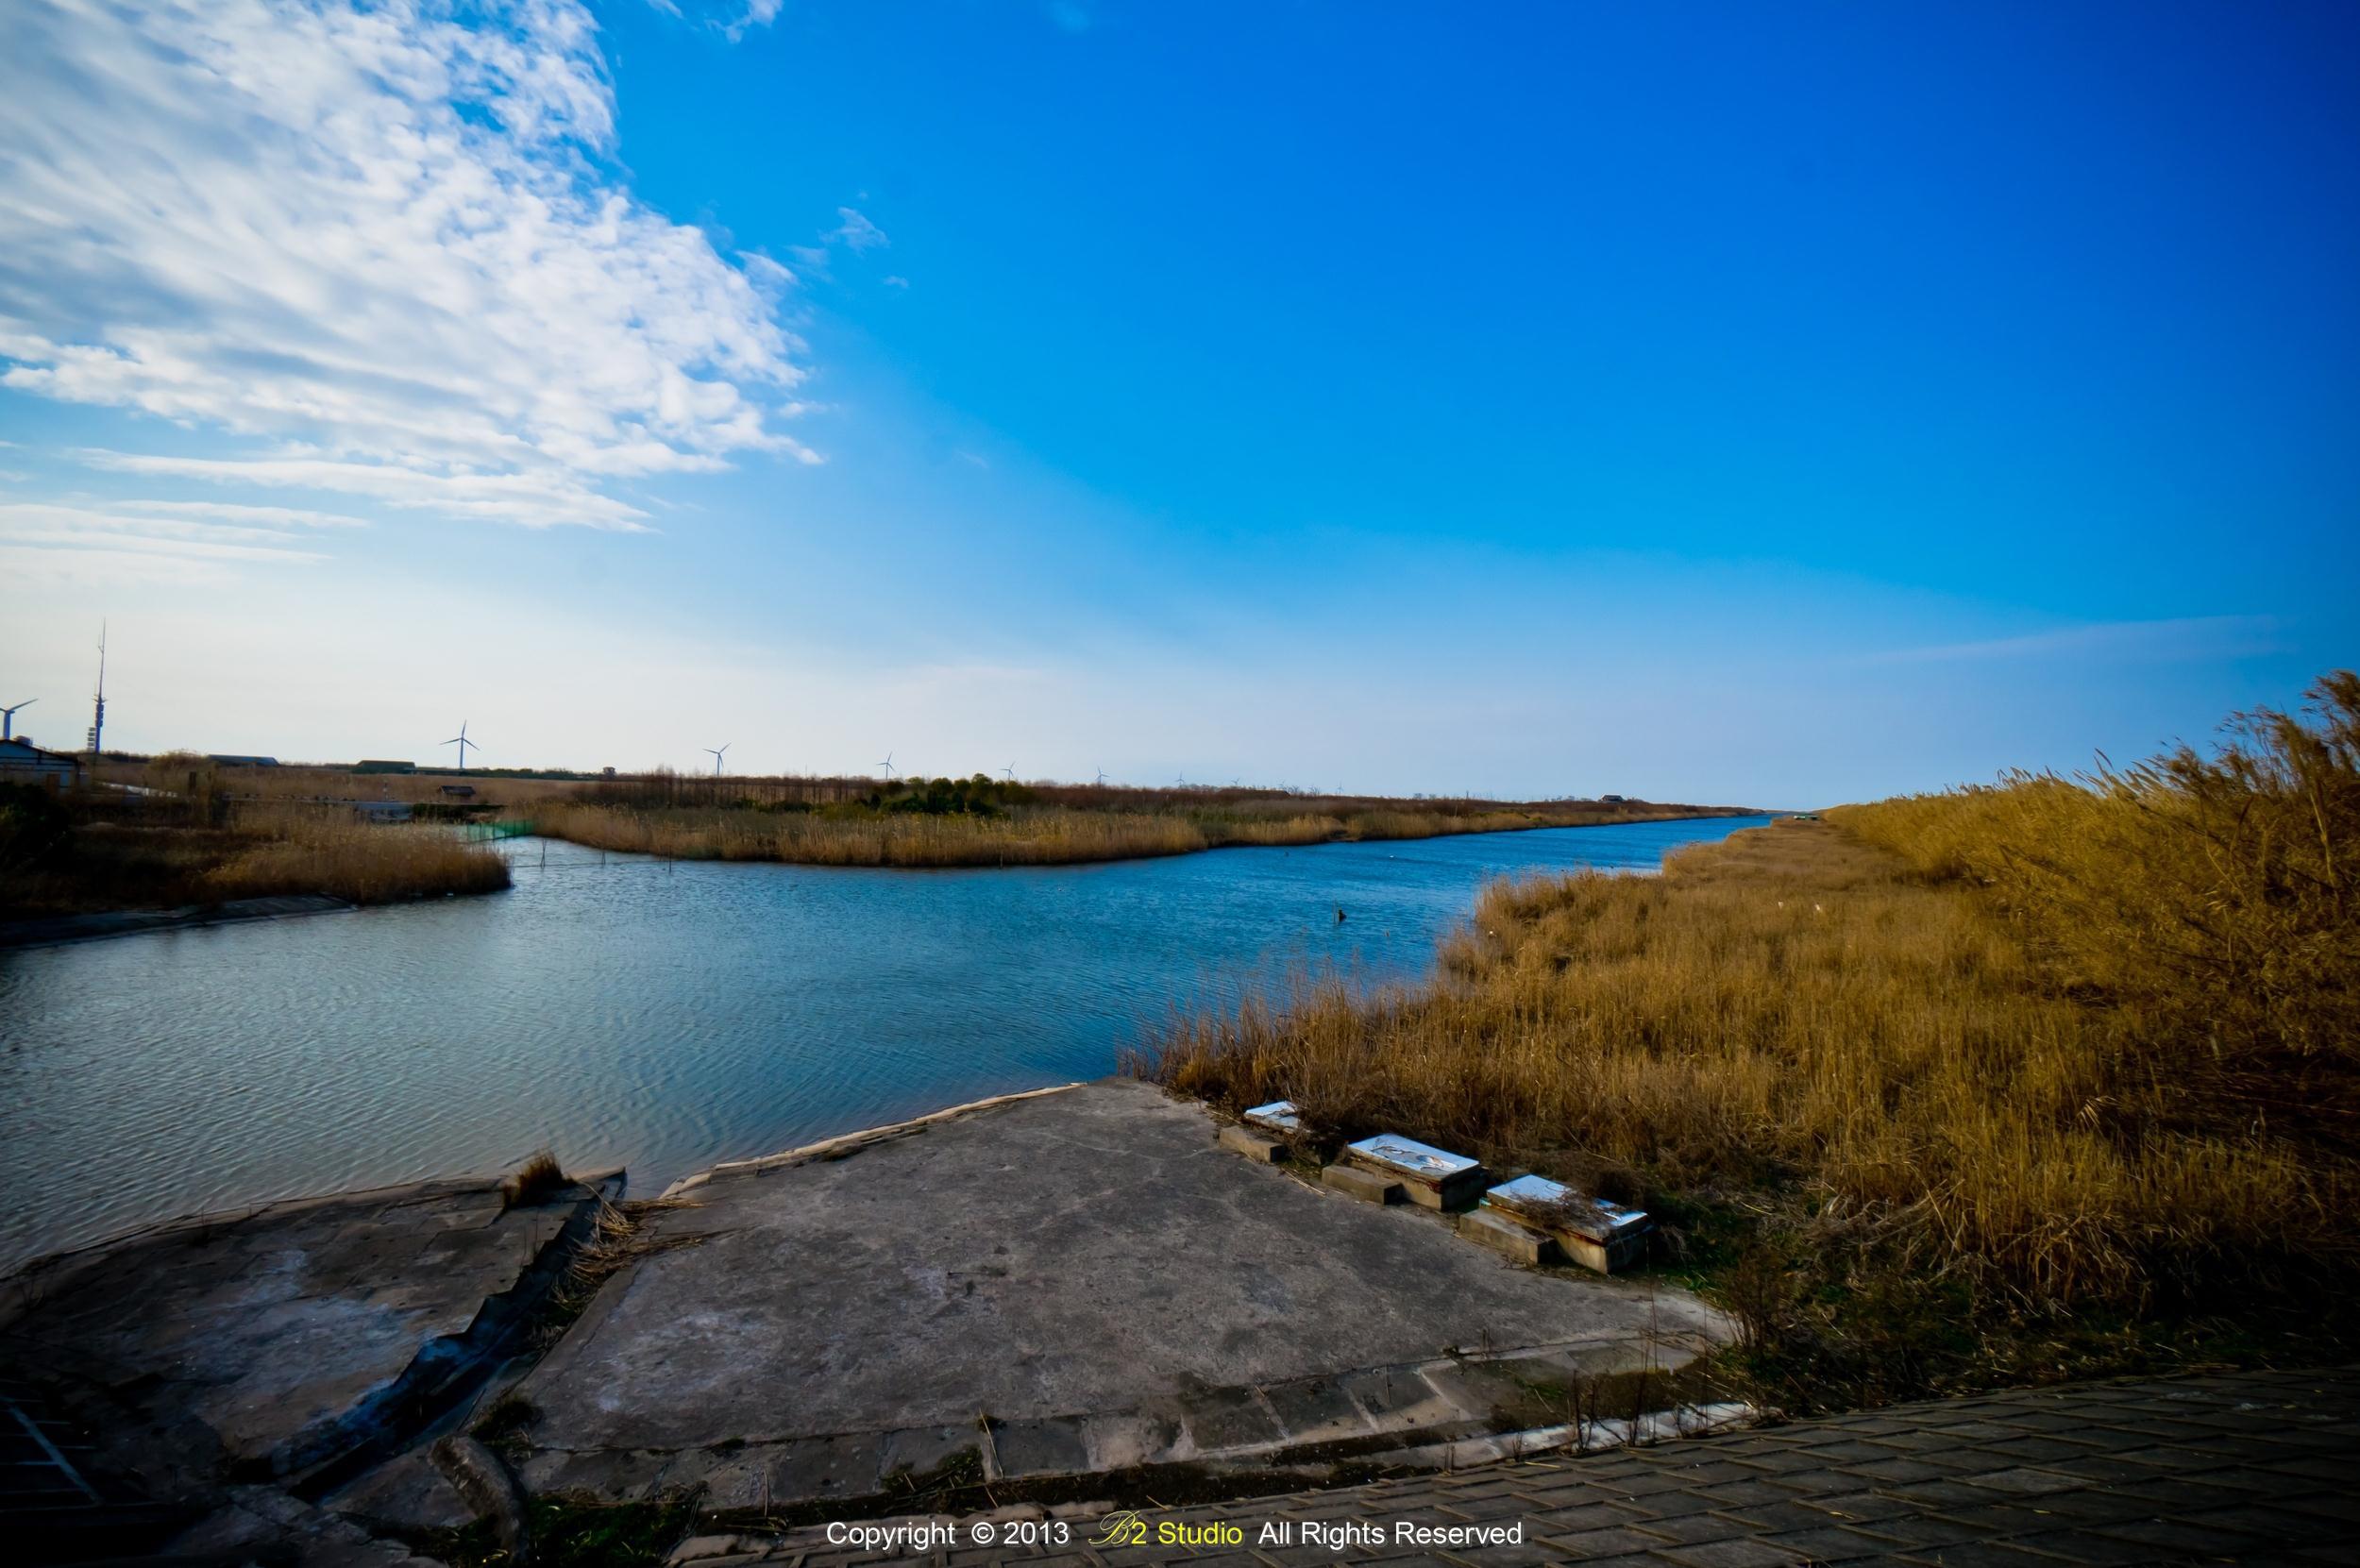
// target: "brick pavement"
[[2236, 1467]]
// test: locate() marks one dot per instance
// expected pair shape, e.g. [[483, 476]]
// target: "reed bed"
[[95, 851], [1041, 837], [2056, 1047], [1023, 835], [298, 850]]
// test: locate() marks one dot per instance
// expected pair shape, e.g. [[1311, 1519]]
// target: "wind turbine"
[[461, 741], [716, 753], [7, 718], [887, 764], [1010, 771], [1102, 776]]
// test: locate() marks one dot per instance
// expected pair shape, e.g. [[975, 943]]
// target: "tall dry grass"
[[2064, 1045], [1025, 838], [292, 850], [2209, 901], [1042, 834]]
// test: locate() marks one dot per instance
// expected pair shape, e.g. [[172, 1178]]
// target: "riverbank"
[[892, 833], [61, 929], [106, 851], [2032, 1082]]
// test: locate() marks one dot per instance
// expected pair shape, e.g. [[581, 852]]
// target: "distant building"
[[607, 772], [228, 761], [380, 764], [459, 792], [22, 762], [1610, 799]]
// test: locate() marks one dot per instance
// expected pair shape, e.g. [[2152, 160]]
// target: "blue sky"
[[1708, 403]]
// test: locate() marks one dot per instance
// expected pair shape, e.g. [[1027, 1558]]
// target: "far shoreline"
[[912, 843], [74, 930]]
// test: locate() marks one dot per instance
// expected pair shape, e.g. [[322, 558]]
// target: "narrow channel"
[[664, 1016]]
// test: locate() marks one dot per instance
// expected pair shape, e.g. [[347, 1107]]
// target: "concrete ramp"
[[1058, 1284]]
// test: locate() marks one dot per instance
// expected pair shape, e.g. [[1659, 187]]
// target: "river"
[[664, 1016]]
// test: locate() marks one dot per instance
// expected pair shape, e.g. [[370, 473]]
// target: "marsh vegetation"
[[2053, 1075], [188, 842], [984, 821]]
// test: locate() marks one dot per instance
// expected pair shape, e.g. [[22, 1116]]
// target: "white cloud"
[[856, 233], [758, 13], [378, 239]]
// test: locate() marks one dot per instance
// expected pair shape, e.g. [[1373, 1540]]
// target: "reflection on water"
[[661, 1015]]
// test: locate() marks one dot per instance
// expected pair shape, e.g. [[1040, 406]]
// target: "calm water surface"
[[662, 1015]]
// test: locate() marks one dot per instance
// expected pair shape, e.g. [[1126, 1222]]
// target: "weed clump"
[[538, 1179]]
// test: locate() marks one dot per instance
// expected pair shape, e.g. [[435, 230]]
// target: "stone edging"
[[845, 1144]]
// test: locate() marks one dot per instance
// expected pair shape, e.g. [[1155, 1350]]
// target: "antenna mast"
[[99, 705]]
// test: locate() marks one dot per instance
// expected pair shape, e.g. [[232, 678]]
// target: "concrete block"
[[1368, 1186], [1592, 1232], [1244, 1140], [1280, 1116], [1603, 1257], [1503, 1235], [1430, 1177]]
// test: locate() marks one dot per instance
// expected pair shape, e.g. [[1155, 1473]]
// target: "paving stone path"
[[2244, 1467]]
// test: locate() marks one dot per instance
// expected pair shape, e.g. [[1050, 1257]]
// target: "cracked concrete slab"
[[232, 1344], [1088, 1268]]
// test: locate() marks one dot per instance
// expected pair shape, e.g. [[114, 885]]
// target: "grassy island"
[[985, 822], [2015, 1082]]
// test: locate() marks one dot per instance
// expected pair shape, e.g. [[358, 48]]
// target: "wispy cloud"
[[231, 512], [856, 232], [383, 235], [2202, 635], [757, 14], [538, 498], [48, 545]]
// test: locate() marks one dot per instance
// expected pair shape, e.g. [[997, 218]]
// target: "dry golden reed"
[[303, 849], [1023, 835], [1042, 837], [2080, 1039]]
